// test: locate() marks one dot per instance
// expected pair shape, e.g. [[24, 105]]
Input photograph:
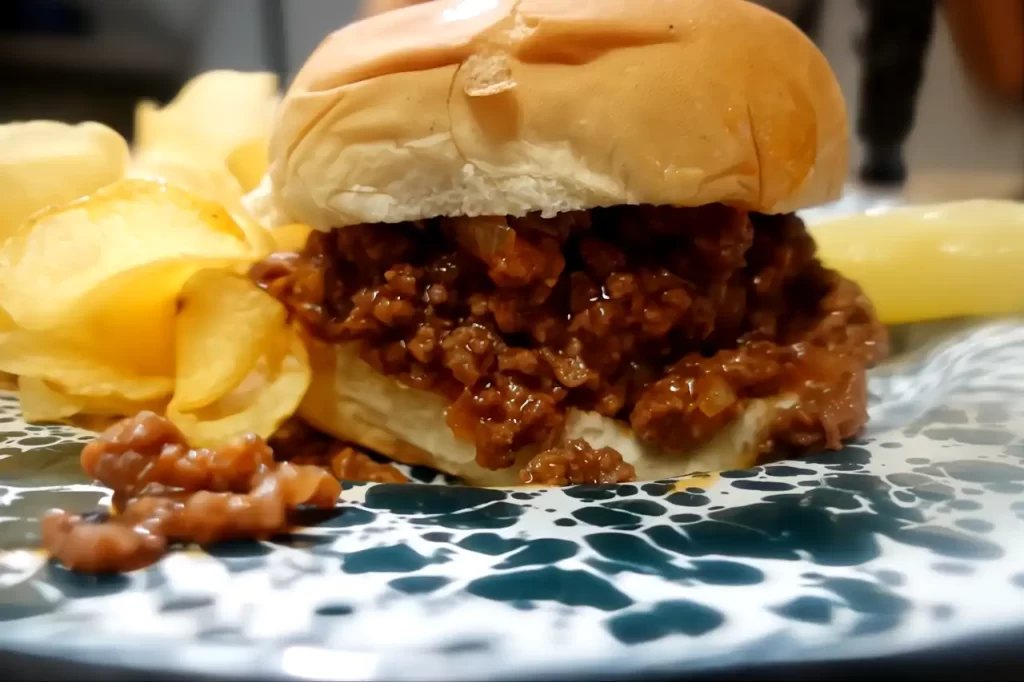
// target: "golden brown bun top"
[[494, 107]]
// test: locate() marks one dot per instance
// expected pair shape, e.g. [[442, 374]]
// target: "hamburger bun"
[[513, 106]]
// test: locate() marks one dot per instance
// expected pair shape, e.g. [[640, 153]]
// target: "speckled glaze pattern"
[[906, 538]]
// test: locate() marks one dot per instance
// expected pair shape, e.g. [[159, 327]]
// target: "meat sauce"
[[165, 492], [669, 319], [577, 462]]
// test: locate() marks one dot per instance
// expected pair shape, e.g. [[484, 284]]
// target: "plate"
[[876, 549]]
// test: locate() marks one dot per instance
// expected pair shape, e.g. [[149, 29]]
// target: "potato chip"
[[124, 332], [212, 141], [146, 131], [117, 407], [112, 267], [214, 114], [291, 238], [132, 315], [41, 403], [248, 162], [129, 320], [45, 163], [76, 364], [90, 285], [210, 180], [231, 380], [260, 404], [225, 325], [7, 381], [52, 263]]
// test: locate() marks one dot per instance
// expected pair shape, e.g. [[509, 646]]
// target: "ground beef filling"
[[298, 443], [672, 320], [166, 492], [577, 462]]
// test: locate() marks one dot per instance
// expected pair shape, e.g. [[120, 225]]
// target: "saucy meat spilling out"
[[670, 319], [166, 492], [299, 443], [577, 462]]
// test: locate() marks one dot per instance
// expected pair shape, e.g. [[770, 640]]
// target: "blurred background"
[[933, 86]]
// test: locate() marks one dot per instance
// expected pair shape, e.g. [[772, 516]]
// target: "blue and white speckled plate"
[[907, 538]]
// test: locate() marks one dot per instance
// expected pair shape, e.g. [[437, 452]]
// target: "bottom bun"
[[351, 401]]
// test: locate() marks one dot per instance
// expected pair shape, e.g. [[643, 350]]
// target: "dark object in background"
[[52, 17], [59, 59], [808, 18], [63, 94], [892, 51]]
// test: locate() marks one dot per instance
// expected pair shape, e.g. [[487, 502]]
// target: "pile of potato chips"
[[122, 271]]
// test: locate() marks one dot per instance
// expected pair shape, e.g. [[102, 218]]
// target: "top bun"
[[505, 107]]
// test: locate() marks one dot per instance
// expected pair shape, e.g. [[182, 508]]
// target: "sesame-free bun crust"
[[504, 107]]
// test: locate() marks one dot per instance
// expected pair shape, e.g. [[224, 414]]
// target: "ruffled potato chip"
[[260, 404], [42, 403], [211, 140], [291, 238], [215, 113], [120, 342], [89, 292], [8, 381], [208, 179], [248, 162], [46, 163], [77, 364], [120, 281], [230, 380], [53, 262], [225, 325]]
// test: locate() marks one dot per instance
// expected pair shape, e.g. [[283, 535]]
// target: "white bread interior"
[[504, 107], [351, 401]]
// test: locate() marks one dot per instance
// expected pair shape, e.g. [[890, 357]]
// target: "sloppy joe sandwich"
[[555, 240]]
